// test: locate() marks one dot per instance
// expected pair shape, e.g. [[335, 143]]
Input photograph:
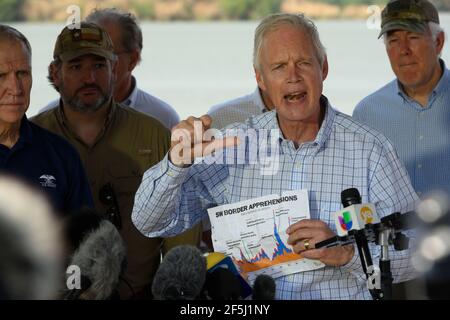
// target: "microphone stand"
[[384, 234]]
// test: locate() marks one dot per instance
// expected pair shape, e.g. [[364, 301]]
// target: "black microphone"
[[181, 274], [264, 288], [222, 284], [351, 197]]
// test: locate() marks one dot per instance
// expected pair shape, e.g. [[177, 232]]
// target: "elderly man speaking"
[[319, 149]]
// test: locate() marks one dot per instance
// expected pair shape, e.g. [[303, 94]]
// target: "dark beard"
[[77, 105]]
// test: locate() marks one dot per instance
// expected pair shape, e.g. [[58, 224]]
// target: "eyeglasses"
[[108, 197]]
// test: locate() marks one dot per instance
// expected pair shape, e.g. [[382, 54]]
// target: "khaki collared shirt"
[[129, 144]]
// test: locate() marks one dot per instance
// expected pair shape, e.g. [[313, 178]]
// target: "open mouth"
[[295, 96]]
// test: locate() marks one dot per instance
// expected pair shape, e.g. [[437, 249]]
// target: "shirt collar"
[[60, 115], [269, 120], [26, 133], [444, 83], [258, 100], [131, 100]]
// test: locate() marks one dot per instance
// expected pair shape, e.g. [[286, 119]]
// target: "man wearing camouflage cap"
[[412, 111], [116, 144]]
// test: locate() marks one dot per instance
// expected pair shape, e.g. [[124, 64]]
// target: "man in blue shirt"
[[413, 110], [315, 148], [27, 151]]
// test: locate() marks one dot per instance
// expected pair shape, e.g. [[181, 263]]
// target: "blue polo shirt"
[[421, 135], [50, 163]]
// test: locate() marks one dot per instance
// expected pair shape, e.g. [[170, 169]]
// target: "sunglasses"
[[108, 197]]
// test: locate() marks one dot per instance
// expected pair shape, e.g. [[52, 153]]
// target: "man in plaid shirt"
[[315, 148]]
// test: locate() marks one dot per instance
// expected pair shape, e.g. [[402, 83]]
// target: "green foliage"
[[145, 9], [348, 2], [265, 7], [246, 9], [10, 10]]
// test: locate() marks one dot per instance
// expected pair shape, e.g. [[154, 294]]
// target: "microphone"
[[181, 274], [352, 220], [223, 280], [264, 288], [222, 284], [100, 256], [355, 214]]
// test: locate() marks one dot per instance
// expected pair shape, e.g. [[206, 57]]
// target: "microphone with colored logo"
[[350, 226], [355, 215], [353, 220]]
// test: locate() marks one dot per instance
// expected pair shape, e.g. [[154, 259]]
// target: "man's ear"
[[440, 39], [54, 74], [114, 69], [260, 79], [135, 57], [325, 68]]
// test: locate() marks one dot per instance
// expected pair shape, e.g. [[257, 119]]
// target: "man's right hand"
[[188, 140]]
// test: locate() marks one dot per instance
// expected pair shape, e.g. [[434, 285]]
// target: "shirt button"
[[419, 165], [298, 165], [420, 137]]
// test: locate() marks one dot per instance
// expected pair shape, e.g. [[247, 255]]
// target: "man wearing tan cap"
[[116, 143]]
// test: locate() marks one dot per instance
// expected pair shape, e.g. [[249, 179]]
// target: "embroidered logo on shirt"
[[48, 181], [144, 151]]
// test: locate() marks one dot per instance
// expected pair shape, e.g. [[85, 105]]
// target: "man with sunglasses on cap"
[[412, 110], [116, 143]]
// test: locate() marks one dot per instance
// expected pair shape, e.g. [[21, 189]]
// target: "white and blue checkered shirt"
[[344, 154]]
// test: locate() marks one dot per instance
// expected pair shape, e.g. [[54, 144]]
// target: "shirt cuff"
[[172, 175]]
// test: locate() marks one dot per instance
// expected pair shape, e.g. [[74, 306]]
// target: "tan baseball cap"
[[90, 38], [409, 15]]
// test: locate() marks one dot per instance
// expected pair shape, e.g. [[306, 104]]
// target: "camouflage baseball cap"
[[409, 15], [88, 39]]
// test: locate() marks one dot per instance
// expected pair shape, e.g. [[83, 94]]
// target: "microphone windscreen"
[[264, 288], [350, 196], [101, 258], [181, 274]]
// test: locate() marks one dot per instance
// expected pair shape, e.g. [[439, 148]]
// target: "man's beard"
[[76, 104]]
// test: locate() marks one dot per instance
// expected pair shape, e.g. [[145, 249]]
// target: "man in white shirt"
[[240, 109]]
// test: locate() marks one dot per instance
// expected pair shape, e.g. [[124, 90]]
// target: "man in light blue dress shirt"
[[413, 110], [315, 148]]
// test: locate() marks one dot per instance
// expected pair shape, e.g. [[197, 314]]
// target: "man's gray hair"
[[9, 33], [131, 33], [435, 29], [274, 21]]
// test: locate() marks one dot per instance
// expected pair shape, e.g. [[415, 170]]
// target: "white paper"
[[253, 233]]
